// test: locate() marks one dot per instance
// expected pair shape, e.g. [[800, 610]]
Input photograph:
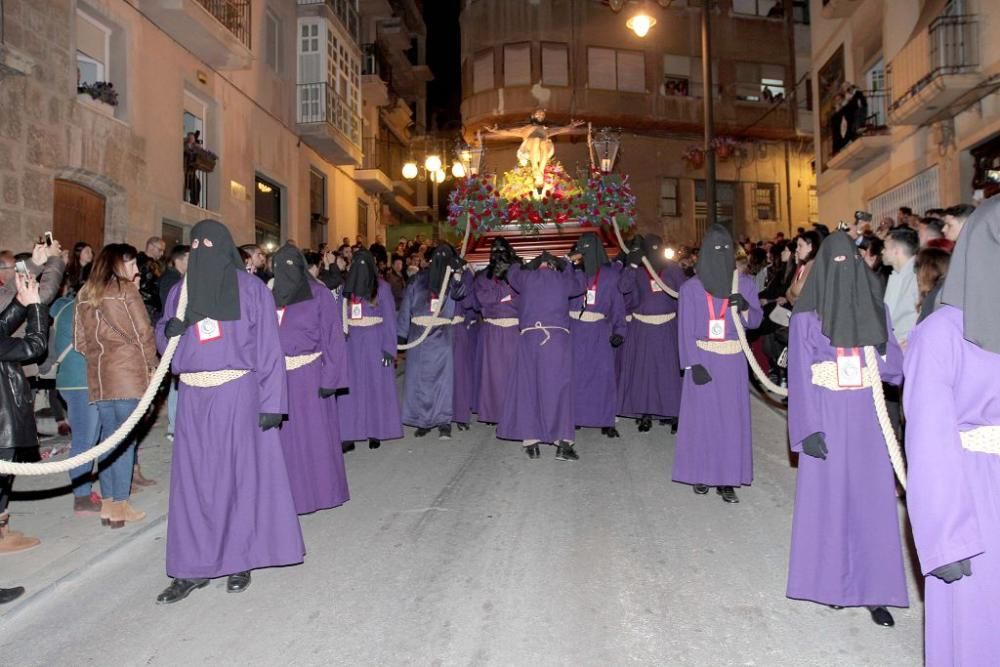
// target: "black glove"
[[700, 374], [387, 359], [617, 340], [815, 446], [880, 348], [401, 340], [174, 327], [952, 572], [268, 420], [737, 299], [635, 257], [326, 393]]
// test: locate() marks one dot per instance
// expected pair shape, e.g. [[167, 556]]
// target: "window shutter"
[[601, 69], [517, 65], [632, 71], [679, 66], [482, 72], [91, 40], [555, 65], [271, 40]]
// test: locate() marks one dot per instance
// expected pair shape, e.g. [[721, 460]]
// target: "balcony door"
[[77, 215]]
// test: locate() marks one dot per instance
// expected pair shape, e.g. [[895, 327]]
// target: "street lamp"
[[640, 22], [410, 170], [458, 169], [432, 163]]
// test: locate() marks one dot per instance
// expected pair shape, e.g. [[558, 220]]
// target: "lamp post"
[[605, 148], [640, 22]]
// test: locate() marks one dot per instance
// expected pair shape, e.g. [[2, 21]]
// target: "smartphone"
[[22, 268], [48, 238]]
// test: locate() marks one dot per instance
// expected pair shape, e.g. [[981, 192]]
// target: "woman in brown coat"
[[806, 247], [112, 330]]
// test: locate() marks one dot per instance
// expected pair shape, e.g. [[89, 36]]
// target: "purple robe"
[[370, 408], [846, 548], [650, 374], [539, 404], [953, 494], [429, 380], [631, 302], [465, 352], [714, 440], [230, 507], [498, 345], [310, 438], [595, 386]]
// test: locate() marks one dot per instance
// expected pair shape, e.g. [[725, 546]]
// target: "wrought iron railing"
[[949, 46], [856, 121], [386, 156], [345, 12], [321, 103], [234, 14]]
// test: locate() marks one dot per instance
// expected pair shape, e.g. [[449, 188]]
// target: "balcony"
[[839, 9], [937, 73], [376, 74], [856, 143], [328, 124], [341, 11], [393, 33], [375, 174], [217, 31]]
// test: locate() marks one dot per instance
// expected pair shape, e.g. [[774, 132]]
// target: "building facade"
[[124, 119], [925, 131], [577, 60]]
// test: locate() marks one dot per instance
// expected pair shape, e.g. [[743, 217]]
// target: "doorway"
[[78, 214]]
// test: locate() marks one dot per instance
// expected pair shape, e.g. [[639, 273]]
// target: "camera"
[[862, 216]]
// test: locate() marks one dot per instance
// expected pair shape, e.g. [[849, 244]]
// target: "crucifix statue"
[[536, 143]]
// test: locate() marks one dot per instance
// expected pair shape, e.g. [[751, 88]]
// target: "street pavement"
[[460, 552]]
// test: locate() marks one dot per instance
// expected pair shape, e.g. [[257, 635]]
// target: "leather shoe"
[[461, 426], [645, 424], [10, 594], [347, 446], [881, 616], [565, 452], [673, 425], [700, 489], [421, 432], [179, 589], [728, 494], [374, 443], [239, 582], [444, 432], [611, 432], [532, 451]]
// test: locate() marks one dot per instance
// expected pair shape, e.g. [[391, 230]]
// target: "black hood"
[[502, 257], [213, 284], [971, 284], [654, 252], [362, 279], [845, 294], [717, 261], [545, 259], [594, 257], [291, 277], [443, 257]]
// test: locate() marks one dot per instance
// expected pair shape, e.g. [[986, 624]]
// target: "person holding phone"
[[45, 265]]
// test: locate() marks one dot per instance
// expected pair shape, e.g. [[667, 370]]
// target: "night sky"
[[444, 57]]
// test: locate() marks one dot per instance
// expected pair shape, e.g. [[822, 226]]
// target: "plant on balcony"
[[724, 147], [695, 157], [196, 156], [102, 91]]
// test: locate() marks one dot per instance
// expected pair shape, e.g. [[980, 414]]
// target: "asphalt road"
[[464, 552]]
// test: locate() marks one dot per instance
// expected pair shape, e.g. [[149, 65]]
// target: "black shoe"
[[673, 425], [347, 446], [179, 589], [611, 432], [421, 432], [645, 424], [532, 451], [727, 493], [239, 582], [700, 489], [10, 594], [664, 422], [374, 443], [461, 426], [444, 432], [881, 616], [565, 452]]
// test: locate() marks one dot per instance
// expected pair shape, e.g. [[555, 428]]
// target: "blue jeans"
[[86, 424], [116, 466]]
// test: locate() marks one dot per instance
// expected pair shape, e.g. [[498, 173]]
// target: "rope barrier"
[[116, 438], [645, 262], [752, 360]]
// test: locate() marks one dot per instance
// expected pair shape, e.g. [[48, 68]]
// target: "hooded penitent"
[[654, 252], [545, 259], [443, 257], [362, 279], [971, 284], [717, 261], [845, 294], [590, 247], [212, 287], [291, 277], [502, 256]]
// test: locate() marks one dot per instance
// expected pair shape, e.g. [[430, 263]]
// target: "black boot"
[[179, 589], [532, 451], [700, 489], [239, 582], [565, 452], [421, 432], [673, 425], [10, 594], [374, 443], [727, 493], [444, 432], [881, 616], [611, 432], [347, 446]]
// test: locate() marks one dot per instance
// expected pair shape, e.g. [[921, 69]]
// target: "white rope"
[[747, 352], [649, 267], [116, 438]]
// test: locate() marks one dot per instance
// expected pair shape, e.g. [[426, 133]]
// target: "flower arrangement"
[[608, 200], [475, 201], [724, 147], [520, 183], [102, 91], [694, 156]]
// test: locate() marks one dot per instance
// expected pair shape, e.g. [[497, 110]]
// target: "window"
[[768, 8], [757, 82], [765, 201], [195, 180], [725, 204], [310, 63], [876, 94], [482, 72], [555, 65], [697, 85], [609, 69], [267, 213], [517, 64], [676, 75], [800, 11], [272, 41], [669, 198], [362, 218], [93, 51]]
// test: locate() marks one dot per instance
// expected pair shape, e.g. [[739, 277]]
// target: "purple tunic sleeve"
[[755, 315], [514, 278], [804, 414], [332, 340], [617, 312], [891, 367], [169, 311], [942, 511], [486, 289], [270, 360], [576, 282], [387, 306], [687, 323], [626, 283]]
